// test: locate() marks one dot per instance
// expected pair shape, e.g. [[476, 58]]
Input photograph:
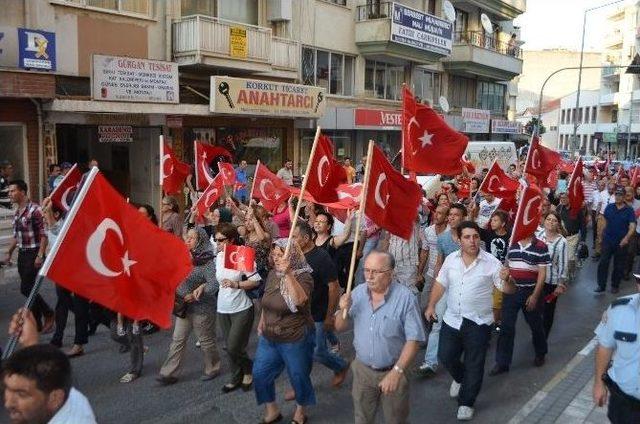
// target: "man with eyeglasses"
[[387, 332], [467, 278]]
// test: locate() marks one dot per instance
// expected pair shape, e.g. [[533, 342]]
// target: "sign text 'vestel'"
[[377, 118]]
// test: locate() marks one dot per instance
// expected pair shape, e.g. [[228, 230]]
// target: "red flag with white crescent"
[[205, 154], [575, 189], [269, 188], [240, 258], [173, 172], [62, 195], [209, 196], [541, 160], [635, 176], [325, 172], [392, 200], [510, 206], [498, 183], [228, 173], [108, 252], [528, 214]]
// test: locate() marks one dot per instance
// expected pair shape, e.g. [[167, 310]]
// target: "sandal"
[[277, 419], [128, 377], [304, 420]]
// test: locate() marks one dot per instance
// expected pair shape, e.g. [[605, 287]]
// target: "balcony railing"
[[370, 11], [489, 42], [285, 53]]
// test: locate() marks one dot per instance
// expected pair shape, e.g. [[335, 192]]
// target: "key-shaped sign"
[[223, 88], [320, 97]]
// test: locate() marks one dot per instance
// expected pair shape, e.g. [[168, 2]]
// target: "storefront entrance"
[[13, 144]]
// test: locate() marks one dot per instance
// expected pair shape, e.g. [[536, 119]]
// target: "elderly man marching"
[[387, 331], [467, 277]]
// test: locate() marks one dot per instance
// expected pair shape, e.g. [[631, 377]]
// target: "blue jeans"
[[472, 341], [271, 359], [511, 304], [322, 355], [431, 354], [369, 245]]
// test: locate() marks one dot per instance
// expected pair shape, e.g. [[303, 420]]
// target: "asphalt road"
[[191, 401]]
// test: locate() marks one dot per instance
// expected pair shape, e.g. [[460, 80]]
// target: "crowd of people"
[[451, 287]]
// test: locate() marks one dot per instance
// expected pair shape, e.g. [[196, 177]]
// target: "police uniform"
[[620, 330]]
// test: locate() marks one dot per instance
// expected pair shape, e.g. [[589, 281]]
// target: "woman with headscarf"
[[286, 331], [198, 294]]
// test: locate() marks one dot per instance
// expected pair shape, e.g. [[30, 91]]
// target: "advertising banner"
[[36, 49], [476, 120], [421, 30], [503, 126]]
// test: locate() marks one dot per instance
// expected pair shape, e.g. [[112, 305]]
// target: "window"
[[426, 84], [462, 21], [573, 116], [140, 7], [198, 7], [383, 80], [586, 115], [340, 2], [245, 11], [333, 71], [580, 114], [614, 116], [594, 114], [563, 116], [491, 97], [462, 91]]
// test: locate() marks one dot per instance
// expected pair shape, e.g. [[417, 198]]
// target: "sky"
[[558, 24]]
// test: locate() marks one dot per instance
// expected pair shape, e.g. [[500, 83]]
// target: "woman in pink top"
[[282, 216]]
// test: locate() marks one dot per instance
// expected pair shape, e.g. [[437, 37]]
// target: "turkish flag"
[[227, 172], [510, 206], [348, 196], [429, 145], [269, 188], [209, 196], [392, 200], [541, 160], [498, 183], [63, 193], [240, 258], [205, 155], [109, 253], [325, 172], [575, 189], [529, 213], [464, 187], [173, 172], [635, 176]]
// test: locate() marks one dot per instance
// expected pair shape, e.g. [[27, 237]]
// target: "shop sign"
[[421, 30], [126, 79], [174, 121], [504, 126], [115, 134], [37, 49], [609, 137], [241, 96], [475, 120], [238, 42], [378, 118]]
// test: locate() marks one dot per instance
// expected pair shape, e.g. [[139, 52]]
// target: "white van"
[[483, 153]]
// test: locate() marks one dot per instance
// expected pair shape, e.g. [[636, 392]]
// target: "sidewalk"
[[566, 399]]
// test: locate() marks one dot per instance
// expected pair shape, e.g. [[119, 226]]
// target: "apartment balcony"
[[475, 53], [611, 72], [614, 39], [609, 99], [505, 10], [375, 37], [205, 41], [607, 127]]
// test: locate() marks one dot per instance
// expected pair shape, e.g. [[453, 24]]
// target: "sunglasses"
[[221, 239]]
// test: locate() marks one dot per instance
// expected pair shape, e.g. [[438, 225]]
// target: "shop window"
[[461, 92], [491, 97], [383, 80], [198, 7], [342, 143], [12, 149], [333, 71], [426, 84]]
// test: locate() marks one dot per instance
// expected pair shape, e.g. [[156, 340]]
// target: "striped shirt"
[[558, 269], [589, 189], [525, 260]]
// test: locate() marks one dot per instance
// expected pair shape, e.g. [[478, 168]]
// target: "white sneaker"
[[465, 413], [454, 390]]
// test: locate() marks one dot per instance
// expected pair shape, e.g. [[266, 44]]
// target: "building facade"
[[102, 79]]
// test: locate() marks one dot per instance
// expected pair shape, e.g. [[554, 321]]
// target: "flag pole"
[[356, 239], [253, 183], [13, 340], [302, 189], [160, 213]]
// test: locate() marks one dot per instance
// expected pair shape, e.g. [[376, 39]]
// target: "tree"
[[530, 126]]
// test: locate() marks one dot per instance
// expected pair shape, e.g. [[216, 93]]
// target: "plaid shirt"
[[28, 226]]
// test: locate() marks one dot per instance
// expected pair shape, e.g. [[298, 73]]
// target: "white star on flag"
[[426, 139], [127, 263]]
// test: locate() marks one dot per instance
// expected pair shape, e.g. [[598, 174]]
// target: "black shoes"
[[538, 361], [497, 370], [599, 290]]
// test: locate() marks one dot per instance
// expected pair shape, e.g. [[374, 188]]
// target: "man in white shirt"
[[606, 197], [430, 245], [286, 173], [487, 207], [467, 277]]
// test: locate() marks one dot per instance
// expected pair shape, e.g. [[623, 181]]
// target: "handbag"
[[583, 251], [180, 307]]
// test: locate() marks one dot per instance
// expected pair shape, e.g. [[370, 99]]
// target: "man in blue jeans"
[[324, 299], [619, 226], [527, 262], [468, 277]]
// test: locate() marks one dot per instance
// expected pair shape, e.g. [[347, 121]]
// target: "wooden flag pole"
[[253, 183], [160, 213], [356, 239], [302, 189]]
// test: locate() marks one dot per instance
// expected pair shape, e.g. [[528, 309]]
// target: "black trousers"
[[622, 409], [472, 341], [68, 301], [594, 223], [619, 255], [28, 273]]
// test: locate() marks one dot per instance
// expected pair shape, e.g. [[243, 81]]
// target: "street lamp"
[[584, 27]]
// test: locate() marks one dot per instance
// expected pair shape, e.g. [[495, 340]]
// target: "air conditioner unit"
[[279, 10]]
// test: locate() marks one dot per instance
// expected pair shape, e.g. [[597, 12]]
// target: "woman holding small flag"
[[235, 308]]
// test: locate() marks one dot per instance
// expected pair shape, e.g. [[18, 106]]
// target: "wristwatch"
[[397, 369]]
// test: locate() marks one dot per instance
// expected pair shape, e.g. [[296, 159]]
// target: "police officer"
[[618, 339]]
